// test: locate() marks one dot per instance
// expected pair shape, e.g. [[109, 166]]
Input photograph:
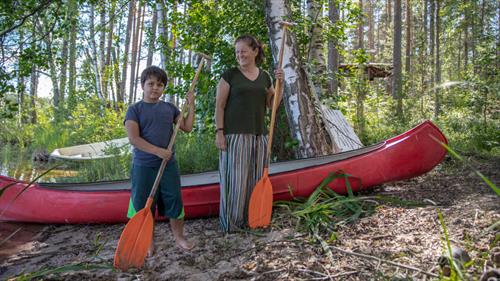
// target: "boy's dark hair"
[[154, 71], [254, 43]]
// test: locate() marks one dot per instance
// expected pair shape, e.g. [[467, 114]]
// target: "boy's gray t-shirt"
[[155, 126]]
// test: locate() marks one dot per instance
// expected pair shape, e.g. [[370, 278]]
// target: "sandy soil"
[[412, 237]]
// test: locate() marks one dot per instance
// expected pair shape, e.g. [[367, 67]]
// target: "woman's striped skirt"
[[241, 166]]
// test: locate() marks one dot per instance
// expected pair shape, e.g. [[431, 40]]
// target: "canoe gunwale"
[[212, 177]]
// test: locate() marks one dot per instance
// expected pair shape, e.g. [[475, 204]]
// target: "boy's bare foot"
[[184, 244], [178, 232], [151, 250]]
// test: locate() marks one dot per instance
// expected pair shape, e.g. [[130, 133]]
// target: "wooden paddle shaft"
[[185, 107], [277, 90]]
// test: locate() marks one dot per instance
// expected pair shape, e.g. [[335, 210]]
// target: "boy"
[[149, 124]]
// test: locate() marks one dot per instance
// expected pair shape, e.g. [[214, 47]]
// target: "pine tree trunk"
[[361, 27], [166, 50], [397, 81], [333, 53], [102, 50], [408, 41], [64, 68], [302, 118], [152, 38], [361, 89], [116, 71], [135, 40], [371, 30], [73, 10], [52, 64], [498, 37], [93, 57], [107, 74], [123, 82], [437, 101], [21, 87], [34, 80], [139, 49], [432, 13], [316, 59]]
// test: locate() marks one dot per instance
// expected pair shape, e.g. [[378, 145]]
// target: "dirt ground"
[[398, 242]]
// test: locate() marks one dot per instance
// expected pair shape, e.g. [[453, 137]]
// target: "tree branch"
[[25, 17]]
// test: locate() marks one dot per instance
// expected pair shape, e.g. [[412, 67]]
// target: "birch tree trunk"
[[302, 118]]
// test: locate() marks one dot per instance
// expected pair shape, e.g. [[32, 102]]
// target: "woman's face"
[[245, 55]]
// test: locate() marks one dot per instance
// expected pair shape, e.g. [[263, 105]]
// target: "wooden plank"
[[339, 130]]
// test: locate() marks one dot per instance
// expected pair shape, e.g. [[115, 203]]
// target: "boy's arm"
[[186, 124], [135, 139]]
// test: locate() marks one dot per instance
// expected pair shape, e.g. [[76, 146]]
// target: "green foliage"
[[196, 153]]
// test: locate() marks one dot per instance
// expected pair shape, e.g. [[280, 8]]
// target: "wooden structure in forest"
[[341, 133], [372, 70]]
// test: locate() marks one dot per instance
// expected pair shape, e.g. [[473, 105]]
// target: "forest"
[[69, 69]]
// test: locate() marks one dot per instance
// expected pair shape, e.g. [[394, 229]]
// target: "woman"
[[243, 93]]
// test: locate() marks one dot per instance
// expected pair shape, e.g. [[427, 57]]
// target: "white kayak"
[[96, 150]]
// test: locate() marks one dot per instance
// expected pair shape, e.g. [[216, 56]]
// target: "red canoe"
[[405, 156]]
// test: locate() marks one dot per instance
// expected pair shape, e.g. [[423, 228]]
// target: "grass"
[[325, 209], [195, 153]]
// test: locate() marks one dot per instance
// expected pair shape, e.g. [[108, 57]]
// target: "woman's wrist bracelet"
[[219, 129]]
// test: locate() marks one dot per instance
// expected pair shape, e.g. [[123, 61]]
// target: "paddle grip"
[[277, 90]]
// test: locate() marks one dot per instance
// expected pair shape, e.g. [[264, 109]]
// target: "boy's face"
[[153, 89]]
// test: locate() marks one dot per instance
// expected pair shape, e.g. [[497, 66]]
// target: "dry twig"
[[399, 265]]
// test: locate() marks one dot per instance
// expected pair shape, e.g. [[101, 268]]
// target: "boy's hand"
[[164, 153]]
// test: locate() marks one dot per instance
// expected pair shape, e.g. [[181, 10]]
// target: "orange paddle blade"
[[261, 202], [135, 241]]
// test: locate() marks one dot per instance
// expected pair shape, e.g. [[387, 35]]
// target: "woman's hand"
[[220, 140], [190, 97], [279, 74]]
